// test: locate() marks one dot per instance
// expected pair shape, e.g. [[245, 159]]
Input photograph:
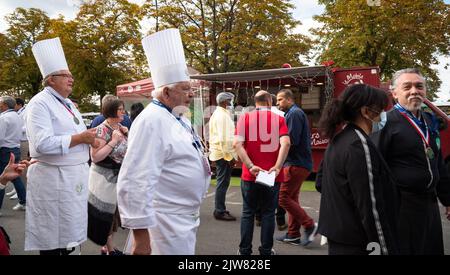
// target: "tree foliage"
[[19, 73], [100, 45], [234, 35], [105, 34], [395, 35]]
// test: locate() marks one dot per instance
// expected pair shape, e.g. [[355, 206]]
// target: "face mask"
[[377, 126], [231, 106]]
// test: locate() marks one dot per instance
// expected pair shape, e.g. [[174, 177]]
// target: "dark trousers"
[[420, 226], [267, 198], [18, 184], [223, 169], [280, 215], [56, 252], [335, 248]]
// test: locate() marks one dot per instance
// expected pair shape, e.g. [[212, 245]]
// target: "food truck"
[[313, 87]]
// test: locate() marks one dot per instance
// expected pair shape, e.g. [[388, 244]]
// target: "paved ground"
[[214, 237]]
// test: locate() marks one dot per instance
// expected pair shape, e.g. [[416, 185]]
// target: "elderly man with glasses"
[[56, 217]]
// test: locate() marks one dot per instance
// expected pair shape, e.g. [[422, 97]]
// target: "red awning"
[[141, 88]]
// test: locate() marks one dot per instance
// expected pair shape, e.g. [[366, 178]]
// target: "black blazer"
[[359, 199], [402, 148]]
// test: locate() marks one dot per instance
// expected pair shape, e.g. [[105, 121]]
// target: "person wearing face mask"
[[409, 142], [221, 133], [378, 125], [358, 208]]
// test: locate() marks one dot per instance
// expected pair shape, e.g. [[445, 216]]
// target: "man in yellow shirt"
[[221, 132]]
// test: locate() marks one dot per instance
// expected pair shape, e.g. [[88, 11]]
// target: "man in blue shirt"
[[296, 169]]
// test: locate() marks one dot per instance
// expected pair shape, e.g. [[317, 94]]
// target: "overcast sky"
[[305, 10]]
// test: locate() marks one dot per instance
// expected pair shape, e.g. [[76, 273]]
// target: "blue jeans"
[[223, 169], [18, 184], [254, 195]]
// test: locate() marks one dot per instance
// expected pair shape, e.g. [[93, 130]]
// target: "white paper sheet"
[[265, 178]]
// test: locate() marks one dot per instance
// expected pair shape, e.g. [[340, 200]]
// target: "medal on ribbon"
[[425, 136], [430, 153]]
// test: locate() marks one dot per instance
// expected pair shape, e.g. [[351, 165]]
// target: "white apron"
[[56, 215], [173, 235]]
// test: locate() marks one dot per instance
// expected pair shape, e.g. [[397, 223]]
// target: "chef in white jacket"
[[56, 214], [165, 174]]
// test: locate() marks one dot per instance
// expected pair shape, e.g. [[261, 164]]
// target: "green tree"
[[233, 35], [395, 35], [4, 44], [20, 75], [104, 37]]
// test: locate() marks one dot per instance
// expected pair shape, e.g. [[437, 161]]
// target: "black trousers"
[[57, 252], [420, 226], [335, 248]]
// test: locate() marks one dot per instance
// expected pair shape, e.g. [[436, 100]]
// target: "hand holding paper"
[[266, 178]]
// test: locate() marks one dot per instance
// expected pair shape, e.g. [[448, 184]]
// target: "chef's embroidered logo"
[[79, 188]]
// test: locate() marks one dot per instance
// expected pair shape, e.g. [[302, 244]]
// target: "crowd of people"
[[380, 180]]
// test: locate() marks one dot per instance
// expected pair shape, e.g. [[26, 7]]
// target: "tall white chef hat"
[[49, 56], [165, 56]]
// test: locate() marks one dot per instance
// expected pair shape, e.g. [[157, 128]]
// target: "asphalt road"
[[214, 237]]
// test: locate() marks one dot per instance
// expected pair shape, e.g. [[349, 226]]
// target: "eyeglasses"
[[63, 75]]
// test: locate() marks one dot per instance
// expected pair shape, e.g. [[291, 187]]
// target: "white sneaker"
[[18, 207], [13, 197], [11, 193]]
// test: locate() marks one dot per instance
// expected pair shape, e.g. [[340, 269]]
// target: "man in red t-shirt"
[[262, 143]]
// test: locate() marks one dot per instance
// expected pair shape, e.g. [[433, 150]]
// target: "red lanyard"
[[75, 119], [425, 138]]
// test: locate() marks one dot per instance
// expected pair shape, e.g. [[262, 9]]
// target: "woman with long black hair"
[[358, 204]]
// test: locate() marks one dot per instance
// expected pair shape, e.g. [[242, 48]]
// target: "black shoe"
[[289, 239], [116, 252], [225, 216]]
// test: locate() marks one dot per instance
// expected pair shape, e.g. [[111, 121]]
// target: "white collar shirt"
[[22, 112], [162, 171], [10, 129], [50, 126]]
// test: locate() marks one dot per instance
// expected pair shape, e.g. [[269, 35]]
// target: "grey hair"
[[45, 81], [224, 96], [158, 91], [9, 101], [107, 98], [399, 73], [47, 78]]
